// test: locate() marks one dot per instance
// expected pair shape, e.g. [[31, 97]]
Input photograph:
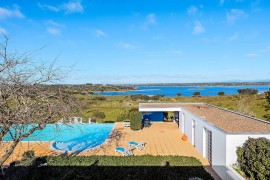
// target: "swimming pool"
[[71, 137]]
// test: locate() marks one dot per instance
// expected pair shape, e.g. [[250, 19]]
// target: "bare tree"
[[27, 100], [245, 105]]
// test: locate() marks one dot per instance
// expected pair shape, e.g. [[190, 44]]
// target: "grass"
[[113, 106], [109, 167]]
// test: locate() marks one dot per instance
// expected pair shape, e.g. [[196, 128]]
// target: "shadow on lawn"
[[107, 172]]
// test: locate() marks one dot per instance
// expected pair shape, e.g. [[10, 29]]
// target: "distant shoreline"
[[203, 84]]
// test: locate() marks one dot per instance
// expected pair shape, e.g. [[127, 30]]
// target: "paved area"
[[161, 139]]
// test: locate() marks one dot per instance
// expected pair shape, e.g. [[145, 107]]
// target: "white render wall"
[[218, 137], [224, 144], [236, 140]]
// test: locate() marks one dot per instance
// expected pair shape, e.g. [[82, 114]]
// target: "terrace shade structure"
[[214, 132]]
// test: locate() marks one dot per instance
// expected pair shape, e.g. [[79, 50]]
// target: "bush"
[[99, 114], [196, 94], [157, 97], [122, 117], [113, 167], [221, 93], [135, 120], [28, 155], [247, 91], [139, 96], [267, 116], [267, 96], [254, 158], [99, 98], [179, 94]]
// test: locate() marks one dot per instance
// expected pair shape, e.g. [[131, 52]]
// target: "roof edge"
[[234, 112]]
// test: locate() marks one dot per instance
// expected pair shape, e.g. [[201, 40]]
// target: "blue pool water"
[[72, 137], [171, 91]]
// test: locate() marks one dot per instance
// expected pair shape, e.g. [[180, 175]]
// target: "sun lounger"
[[126, 124], [139, 146], [125, 151]]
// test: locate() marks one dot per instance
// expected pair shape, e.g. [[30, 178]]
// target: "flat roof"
[[228, 121]]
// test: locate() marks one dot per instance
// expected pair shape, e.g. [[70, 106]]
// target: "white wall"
[[235, 140], [218, 137]]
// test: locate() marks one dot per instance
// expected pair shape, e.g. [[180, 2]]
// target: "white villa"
[[215, 132]]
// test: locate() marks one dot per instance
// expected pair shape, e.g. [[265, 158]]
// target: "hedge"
[[135, 120], [113, 167], [254, 158]]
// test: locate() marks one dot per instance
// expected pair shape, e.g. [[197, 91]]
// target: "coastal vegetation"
[[109, 167], [89, 88], [221, 93], [254, 158], [197, 94], [247, 91], [116, 108]]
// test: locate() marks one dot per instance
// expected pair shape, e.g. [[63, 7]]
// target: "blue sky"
[[153, 41]]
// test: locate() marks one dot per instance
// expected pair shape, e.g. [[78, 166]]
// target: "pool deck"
[[161, 139]]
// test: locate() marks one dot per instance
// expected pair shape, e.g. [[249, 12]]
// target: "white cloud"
[[11, 13], [233, 37], [54, 31], [192, 10], [49, 7], [235, 14], [151, 18], [126, 45], [73, 7], [198, 28], [3, 31], [251, 55], [221, 2], [55, 24], [100, 33]]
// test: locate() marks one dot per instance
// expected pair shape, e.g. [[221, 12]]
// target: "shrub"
[[99, 114], [221, 93], [28, 155], [254, 158], [99, 98], [247, 91], [196, 94], [140, 96], [131, 167], [267, 96], [179, 94], [135, 120], [267, 93], [267, 116], [157, 97], [122, 117]]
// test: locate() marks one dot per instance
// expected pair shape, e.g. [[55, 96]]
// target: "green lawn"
[[109, 167]]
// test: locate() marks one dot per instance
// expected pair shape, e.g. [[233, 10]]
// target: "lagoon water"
[[171, 91]]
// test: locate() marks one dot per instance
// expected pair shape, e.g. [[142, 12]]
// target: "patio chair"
[[124, 151], [126, 124], [138, 145]]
